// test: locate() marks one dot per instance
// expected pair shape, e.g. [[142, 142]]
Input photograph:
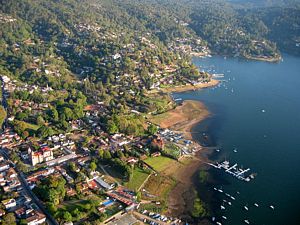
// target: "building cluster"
[[190, 46], [16, 199], [6, 18]]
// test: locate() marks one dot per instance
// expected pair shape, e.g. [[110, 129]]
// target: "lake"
[[255, 110]]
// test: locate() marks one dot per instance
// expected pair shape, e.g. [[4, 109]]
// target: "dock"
[[234, 170]]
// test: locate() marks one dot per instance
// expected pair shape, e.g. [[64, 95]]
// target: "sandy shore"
[[183, 117], [190, 87]]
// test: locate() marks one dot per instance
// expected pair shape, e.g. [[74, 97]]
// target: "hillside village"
[[84, 162]]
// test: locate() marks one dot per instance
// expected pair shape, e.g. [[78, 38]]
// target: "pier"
[[233, 170]]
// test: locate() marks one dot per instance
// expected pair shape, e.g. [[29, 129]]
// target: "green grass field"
[[30, 125], [138, 177], [159, 163]]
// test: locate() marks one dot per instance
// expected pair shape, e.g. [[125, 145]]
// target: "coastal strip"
[[182, 119]]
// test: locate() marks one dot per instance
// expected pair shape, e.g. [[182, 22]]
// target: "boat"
[[235, 150], [263, 111], [218, 223], [233, 198], [229, 203], [247, 221], [220, 190], [224, 217], [222, 207], [217, 150], [252, 175], [255, 204], [245, 207], [272, 207], [213, 218]]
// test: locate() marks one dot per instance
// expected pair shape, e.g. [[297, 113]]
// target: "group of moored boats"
[[233, 170], [228, 201]]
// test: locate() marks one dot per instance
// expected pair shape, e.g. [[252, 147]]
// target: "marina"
[[233, 170]]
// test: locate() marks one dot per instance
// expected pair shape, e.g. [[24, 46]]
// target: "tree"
[[203, 176], [44, 131], [101, 153], [67, 216], [198, 209], [53, 114], [152, 129], [68, 113], [112, 128], [93, 166], [9, 218], [40, 121], [72, 166], [106, 155]]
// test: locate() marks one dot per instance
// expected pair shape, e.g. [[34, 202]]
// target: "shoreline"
[[183, 119], [190, 87]]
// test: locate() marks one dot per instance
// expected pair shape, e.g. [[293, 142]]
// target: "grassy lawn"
[[30, 125], [138, 177], [159, 187], [159, 163]]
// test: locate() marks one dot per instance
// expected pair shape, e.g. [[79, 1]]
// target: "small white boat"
[[224, 217], [215, 189], [222, 207], [263, 111], [235, 150], [233, 198], [220, 190], [238, 192], [218, 223], [245, 207], [213, 218], [272, 207], [247, 221], [255, 204], [229, 203], [217, 150]]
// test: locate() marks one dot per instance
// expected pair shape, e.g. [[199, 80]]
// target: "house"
[[102, 183], [132, 160], [43, 155], [36, 218], [155, 154], [9, 203], [4, 166], [20, 212]]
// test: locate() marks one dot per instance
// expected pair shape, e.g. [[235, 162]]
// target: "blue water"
[[256, 109]]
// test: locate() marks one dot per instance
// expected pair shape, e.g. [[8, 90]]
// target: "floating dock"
[[233, 170]]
